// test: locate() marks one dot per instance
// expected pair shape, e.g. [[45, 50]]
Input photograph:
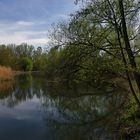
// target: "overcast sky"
[[29, 20]]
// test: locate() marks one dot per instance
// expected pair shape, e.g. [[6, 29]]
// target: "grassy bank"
[[130, 121], [6, 73]]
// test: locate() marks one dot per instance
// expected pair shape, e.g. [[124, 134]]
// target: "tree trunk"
[[127, 45]]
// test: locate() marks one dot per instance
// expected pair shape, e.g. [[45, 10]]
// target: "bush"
[[26, 64]]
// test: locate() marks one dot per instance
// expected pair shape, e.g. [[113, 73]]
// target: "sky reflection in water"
[[31, 109]]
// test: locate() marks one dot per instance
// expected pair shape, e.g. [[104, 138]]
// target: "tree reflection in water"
[[69, 111], [85, 117]]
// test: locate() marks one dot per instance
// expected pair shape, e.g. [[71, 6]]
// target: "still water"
[[31, 108]]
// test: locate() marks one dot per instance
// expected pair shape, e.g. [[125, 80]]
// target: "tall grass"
[[6, 73]]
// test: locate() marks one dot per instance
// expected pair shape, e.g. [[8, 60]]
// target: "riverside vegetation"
[[5, 74], [99, 47]]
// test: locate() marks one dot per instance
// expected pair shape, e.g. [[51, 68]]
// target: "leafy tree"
[[26, 64], [24, 50], [53, 63], [39, 59], [107, 27], [7, 58]]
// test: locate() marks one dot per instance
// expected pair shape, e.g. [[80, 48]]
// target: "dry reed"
[[6, 73]]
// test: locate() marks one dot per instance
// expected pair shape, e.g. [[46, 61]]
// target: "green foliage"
[[130, 119], [39, 59], [6, 56], [12, 55], [53, 63], [26, 64]]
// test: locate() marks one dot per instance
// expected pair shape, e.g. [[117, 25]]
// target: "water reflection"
[[5, 88], [85, 117], [59, 111]]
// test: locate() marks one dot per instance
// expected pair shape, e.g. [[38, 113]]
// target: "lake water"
[[31, 108]]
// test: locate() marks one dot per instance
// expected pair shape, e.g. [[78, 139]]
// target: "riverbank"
[[129, 122], [6, 73]]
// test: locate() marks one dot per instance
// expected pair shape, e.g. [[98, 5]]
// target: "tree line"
[[22, 57]]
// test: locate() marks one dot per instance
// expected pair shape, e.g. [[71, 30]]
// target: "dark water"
[[31, 108]]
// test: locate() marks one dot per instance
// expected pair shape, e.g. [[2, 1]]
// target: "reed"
[[6, 73]]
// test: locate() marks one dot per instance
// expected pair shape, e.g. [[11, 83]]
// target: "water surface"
[[33, 108]]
